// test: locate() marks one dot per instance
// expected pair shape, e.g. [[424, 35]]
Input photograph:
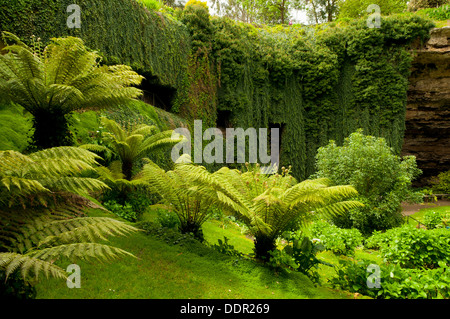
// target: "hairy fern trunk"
[[263, 245], [51, 129], [127, 169]]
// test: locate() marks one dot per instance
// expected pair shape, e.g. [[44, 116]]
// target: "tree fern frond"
[[338, 208], [84, 251], [77, 185], [12, 262], [66, 152], [85, 229]]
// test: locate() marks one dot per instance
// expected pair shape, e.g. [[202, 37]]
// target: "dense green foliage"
[[413, 248], [299, 253], [395, 282], [15, 127], [315, 83], [267, 204], [440, 13], [442, 185], [436, 219], [339, 241], [358, 8], [382, 179], [42, 217], [53, 81]]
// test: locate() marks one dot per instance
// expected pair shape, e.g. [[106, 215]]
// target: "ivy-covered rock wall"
[[315, 83]]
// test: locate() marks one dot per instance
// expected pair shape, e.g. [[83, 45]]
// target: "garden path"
[[409, 209]]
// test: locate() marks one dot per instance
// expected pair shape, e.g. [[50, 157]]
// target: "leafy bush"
[[410, 247], [442, 185], [395, 282], [382, 179], [167, 219], [438, 219], [124, 211], [339, 241], [304, 252]]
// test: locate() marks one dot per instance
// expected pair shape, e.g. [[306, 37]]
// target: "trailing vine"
[[317, 83]]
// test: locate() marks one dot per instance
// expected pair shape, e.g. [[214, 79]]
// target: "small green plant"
[[124, 211], [304, 251], [436, 219], [225, 248], [339, 241], [280, 259], [442, 185], [167, 219]]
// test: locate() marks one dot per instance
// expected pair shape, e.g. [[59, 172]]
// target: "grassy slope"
[[169, 271]]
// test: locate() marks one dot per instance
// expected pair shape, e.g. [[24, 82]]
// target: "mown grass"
[[165, 270]]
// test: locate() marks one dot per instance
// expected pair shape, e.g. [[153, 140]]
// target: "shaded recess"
[[158, 95]]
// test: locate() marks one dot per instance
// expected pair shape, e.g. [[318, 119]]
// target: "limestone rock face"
[[427, 134]]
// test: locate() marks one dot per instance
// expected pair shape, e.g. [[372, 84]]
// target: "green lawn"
[[163, 270]]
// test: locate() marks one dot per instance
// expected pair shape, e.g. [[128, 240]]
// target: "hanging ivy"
[[317, 83]]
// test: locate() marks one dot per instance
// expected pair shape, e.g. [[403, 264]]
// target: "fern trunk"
[[51, 129], [263, 245], [190, 227], [127, 169]]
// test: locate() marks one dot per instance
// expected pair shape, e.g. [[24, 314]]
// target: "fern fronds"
[[41, 212]]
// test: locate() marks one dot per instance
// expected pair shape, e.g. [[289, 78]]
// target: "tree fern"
[[268, 204], [131, 143], [42, 216], [63, 77]]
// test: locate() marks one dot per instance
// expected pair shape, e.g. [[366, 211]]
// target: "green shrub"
[[339, 241], [395, 282], [382, 179], [167, 219], [304, 252], [174, 237], [410, 247], [432, 219], [442, 185], [124, 211]]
